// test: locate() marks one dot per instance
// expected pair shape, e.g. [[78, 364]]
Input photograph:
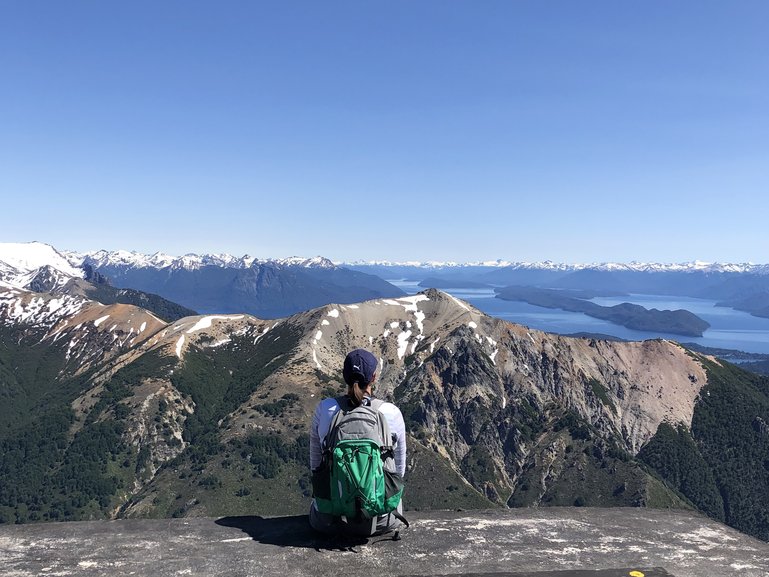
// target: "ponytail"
[[356, 394]]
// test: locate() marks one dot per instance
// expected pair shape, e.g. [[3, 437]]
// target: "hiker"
[[344, 421]]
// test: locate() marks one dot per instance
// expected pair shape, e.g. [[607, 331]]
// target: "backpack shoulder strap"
[[384, 427], [376, 404], [387, 449], [342, 402]]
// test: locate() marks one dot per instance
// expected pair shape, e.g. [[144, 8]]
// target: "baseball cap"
[[359, 365]]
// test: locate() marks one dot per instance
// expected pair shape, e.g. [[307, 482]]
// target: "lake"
[[729, 329]]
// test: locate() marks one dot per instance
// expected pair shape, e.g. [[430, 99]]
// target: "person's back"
[[341, 421]]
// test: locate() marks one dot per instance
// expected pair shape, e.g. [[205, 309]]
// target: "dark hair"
[[356, 393]]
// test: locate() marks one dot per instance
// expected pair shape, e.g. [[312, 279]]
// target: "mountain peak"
[[29, 256], [314, 262]]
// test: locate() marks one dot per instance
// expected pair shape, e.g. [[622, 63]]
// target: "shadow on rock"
[[290, 532]]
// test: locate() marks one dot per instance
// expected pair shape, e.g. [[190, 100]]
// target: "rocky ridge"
[[461, 378]]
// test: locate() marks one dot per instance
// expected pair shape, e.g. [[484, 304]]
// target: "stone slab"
[[546, 542]]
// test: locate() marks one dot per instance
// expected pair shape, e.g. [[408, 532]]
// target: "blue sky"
[[568, 131]]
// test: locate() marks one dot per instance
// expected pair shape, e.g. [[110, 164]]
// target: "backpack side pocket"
[[321, 480], [393, 489]]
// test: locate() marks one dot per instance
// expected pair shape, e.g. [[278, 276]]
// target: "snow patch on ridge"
[[205, 322], [459, 302], [260, 335], [420, 316], [38, 310], [100, 320], [412, 301], [403, 343], [493, 355]]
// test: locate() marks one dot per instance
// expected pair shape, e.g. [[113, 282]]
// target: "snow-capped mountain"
[[216, 283], [742, 286], [89, 332], [121, 258], [38, 284], [33, 255], [272, 288], [221, 283], [693, 266], [22, 264], [26, 257]]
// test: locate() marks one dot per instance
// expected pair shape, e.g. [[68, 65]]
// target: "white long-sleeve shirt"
[[321, 423]]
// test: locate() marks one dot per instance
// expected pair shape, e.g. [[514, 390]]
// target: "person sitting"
[[331, 424]]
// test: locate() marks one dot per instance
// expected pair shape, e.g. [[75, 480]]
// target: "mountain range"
[[744, 287], [224, 284], [418, 268], [273, 288], [109, 410]]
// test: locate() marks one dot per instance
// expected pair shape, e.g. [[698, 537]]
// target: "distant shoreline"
[[678, 322]]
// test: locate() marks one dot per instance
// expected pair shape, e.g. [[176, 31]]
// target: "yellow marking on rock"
[[636, 574]]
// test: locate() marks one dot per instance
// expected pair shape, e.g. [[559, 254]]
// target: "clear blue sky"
[[569, 131]]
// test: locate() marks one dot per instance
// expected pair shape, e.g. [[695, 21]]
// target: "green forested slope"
[[722, 464]]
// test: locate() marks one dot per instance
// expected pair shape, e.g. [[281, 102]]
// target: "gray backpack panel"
[[362, 422]]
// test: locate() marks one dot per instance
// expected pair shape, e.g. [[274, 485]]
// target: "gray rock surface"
[[546, 542]]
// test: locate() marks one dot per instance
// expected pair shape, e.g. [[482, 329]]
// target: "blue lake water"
[[729, 329]]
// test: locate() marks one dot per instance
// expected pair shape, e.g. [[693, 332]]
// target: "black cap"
[[359, 365]]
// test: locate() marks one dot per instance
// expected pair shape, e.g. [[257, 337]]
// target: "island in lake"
[[678, 322]]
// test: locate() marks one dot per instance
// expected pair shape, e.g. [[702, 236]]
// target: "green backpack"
[[357, 477]]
